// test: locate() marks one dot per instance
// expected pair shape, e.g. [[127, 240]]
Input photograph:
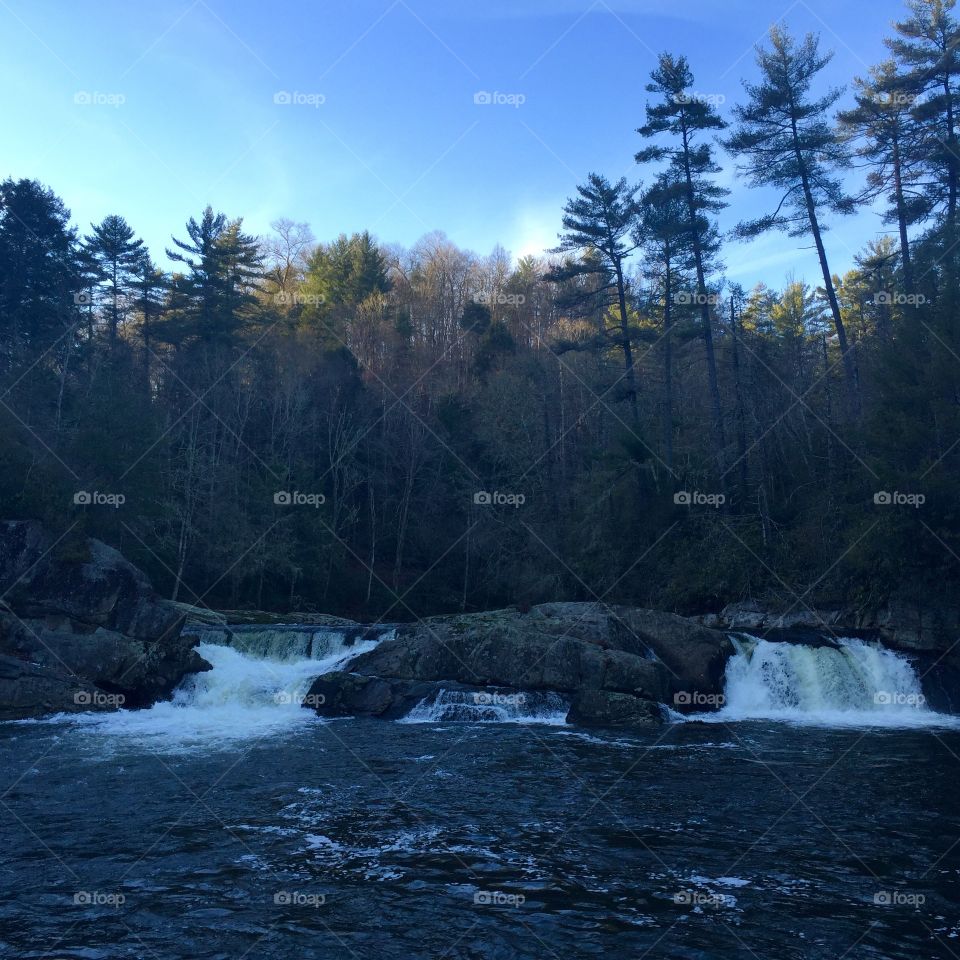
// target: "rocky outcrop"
[[615, 664], [81, 628], [898, 624]]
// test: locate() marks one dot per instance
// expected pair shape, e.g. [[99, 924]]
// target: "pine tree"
[[684, 116], [603, 218], [785, 141], [928, 50], [340, 276], [214, 299], [41, 284], [149, 285], [664, 236], [117, 254], [889, 142]]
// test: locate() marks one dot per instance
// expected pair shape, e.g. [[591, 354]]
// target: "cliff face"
[[82, 629]]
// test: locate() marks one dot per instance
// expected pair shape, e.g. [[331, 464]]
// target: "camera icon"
[[82, 898], [482, 98], [883, 898], [483, 897], [883, 698], [82, 498], [682, 498], [282, 97], [282, 498], [282, 899], [83, 97], [682, 698], [883, 497], [83, 698], [482, 498], [83, 298]]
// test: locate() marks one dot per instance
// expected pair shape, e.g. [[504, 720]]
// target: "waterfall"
[[490, 707], [257, 686], [851, 683]]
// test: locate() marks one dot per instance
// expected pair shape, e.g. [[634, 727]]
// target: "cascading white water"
[[245, 695], [479, 707], [853, 683]]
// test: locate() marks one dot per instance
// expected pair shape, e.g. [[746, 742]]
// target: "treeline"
[[376, 431]]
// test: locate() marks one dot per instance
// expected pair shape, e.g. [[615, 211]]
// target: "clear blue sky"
[[182, 109]]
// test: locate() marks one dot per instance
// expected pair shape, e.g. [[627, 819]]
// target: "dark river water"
[[365, 839]]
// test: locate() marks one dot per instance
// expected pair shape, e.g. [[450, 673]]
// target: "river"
[[806, 819]]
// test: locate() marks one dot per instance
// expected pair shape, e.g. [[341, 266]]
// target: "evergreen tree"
[[41, 284], [927, 47], [340, 276], [603, 218], [216, 297], [889, 142], [117, 255], [684, 116], [786, 142], [664, 236]]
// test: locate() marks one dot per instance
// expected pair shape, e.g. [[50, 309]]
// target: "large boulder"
[[85, 626], [900, 623], [615, 664]]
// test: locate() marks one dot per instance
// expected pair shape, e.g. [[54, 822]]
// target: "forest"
[[356, 428]]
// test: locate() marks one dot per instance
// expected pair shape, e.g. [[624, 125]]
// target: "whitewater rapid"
[[461, 706], [243, 697], [854, 683]]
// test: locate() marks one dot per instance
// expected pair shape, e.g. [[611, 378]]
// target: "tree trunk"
[[668, 365], [902, 216], [719, 440], [630, 374], [849, 363]]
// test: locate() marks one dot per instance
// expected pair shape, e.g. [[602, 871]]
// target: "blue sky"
[[154, 109]]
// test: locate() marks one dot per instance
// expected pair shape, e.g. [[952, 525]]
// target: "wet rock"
[[82, 628], [616, 663], [605, 708]]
